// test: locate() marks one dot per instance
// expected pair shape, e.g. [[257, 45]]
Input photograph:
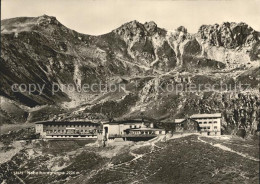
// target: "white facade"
[[39, 128], [210, 123], [118, 129], [73, 129]]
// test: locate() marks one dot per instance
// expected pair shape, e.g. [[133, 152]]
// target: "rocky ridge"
[[142, 57]]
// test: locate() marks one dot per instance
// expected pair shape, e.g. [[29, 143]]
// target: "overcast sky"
[[99, 17]]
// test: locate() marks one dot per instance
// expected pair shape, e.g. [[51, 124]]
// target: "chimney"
[[151, 125]]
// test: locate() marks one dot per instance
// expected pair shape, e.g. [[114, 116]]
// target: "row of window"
[[71, 125], [67, 131], [72, 136], [145, 132], [205, 122], [208, 127], [134, 126]]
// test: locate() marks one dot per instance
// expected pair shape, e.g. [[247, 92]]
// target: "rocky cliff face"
[[234, 43], [229, 35], [147, 45], [142, 57], [184, 44]]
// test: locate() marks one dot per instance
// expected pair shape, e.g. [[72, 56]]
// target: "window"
[[205, 122], [208, 127], [130, 126], [215, 122], [210, 122], [215, 127]]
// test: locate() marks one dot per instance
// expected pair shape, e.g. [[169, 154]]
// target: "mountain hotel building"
[[68, 129], [209, 124]]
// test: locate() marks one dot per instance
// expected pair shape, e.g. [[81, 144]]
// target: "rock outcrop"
[[184, 45], [147, 45], [229, 35], [233, 43]]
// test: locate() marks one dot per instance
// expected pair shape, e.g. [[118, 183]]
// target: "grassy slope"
[[183, 160], [246, 146]]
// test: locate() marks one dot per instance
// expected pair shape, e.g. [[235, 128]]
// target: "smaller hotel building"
[[71, 129], [210, 124]]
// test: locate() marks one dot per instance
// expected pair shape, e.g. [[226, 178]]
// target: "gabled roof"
[[215, 115]]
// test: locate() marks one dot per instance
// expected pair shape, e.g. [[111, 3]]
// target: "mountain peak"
[[134, 27], [19, 24], [45, 20], [150, 26]]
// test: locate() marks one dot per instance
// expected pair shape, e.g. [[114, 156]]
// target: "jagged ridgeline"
[[141, 57]]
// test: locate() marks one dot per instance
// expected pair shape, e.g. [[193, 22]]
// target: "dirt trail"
[[123, 166], [139, 156], [225, 148]]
